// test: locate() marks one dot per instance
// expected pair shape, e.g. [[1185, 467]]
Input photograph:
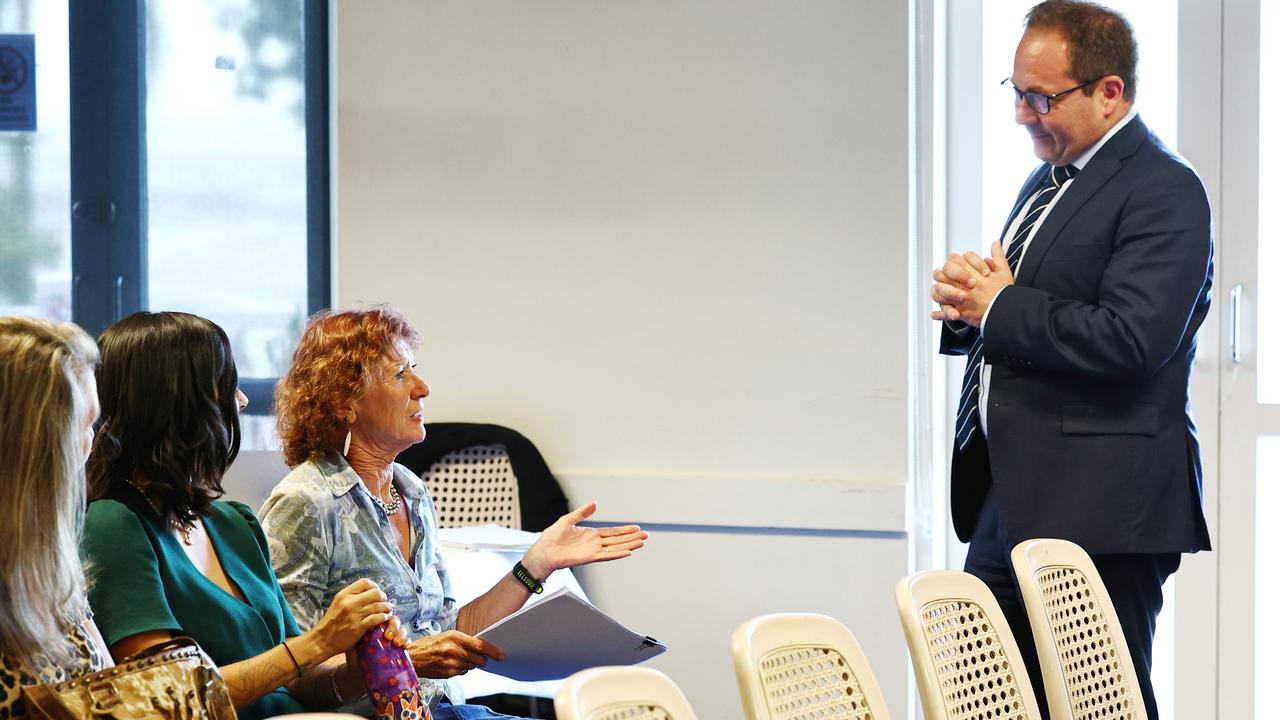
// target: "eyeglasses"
[[1040, 102]]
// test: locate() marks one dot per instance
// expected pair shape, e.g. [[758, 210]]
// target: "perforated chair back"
[[1088, 671], [475, 486], [802, 666], [621, 693], [967, 663]]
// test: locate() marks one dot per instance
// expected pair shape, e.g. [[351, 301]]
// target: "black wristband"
[[296, 666], [526, 578]]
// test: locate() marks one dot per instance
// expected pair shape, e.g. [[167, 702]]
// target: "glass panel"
[[1268, 227], [258, 432], [226, 165], [1266, 579], [35, 175]]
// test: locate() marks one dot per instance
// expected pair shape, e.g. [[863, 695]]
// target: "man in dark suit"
[[1081, 330]]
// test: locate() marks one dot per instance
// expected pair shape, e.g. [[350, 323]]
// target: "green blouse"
[[143, 581]]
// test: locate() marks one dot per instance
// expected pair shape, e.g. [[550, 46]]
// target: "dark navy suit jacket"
[[1089, 432]]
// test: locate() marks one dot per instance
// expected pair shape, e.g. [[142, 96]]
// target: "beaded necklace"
[[184, 529], [389, 508]]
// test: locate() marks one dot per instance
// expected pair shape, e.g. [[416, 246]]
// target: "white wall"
[[668, 242]]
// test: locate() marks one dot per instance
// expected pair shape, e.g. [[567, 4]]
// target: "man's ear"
[[1112, 92]]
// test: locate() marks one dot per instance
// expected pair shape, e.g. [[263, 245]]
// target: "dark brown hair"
[[1101, 40], [167, 384], [339, 355]]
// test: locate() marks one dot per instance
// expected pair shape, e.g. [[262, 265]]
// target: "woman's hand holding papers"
[[450, 653]]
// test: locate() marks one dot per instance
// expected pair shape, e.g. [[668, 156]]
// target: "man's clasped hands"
[[965, 285]]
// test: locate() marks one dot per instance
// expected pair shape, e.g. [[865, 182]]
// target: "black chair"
[[480, 474]]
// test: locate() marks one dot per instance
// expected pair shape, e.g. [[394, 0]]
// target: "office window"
[[226, 171], [1267, 542], [1268, 227], [35, 185], [180, 163]]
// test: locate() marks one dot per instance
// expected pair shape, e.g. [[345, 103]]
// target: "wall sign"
[[18, 83]]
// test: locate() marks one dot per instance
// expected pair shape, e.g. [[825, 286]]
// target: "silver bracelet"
[[337, 694]]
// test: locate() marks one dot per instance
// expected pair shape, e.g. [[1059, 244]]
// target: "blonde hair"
[[43, 410]]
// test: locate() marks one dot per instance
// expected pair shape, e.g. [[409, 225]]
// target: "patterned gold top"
[[13, 677]]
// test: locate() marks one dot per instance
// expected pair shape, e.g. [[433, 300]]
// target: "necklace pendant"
[[185, 532]]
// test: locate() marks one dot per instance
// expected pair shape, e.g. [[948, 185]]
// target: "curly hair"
[[170, 424], [46, 372], [337, 358], [1101, 40]]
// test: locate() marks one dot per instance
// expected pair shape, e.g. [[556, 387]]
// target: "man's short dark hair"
[[1101, 40]]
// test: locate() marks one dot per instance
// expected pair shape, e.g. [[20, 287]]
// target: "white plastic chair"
[[1088, 671], [801, 666], [475, 486], [621, 693], [966, 660]]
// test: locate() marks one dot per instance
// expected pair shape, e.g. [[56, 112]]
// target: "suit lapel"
[[1106, 163]]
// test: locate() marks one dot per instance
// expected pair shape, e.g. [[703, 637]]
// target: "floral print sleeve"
[[300, 554]]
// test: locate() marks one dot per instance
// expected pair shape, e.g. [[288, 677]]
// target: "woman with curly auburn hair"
[[183, 562], [351, 402], [48, 404], [329, 368]]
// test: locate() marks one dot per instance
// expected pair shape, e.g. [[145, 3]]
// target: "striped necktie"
[[967, 413]]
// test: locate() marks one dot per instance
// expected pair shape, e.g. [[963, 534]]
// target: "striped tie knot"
[[1062, 173]]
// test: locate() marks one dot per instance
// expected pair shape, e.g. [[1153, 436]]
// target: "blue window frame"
[[109, 59]]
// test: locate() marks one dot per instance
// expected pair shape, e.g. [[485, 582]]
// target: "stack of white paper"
[[493, 538]]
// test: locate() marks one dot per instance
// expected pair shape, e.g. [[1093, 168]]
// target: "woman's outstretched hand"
[[566, 545]]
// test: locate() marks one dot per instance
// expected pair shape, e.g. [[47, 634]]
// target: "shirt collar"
[[1087, 155], [410, 485], [341, 477]]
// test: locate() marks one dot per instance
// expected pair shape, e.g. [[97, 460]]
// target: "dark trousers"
[[1133, 580]]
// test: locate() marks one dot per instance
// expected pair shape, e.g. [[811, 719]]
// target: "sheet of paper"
[[561, 634], [487, 537], [473, 573]]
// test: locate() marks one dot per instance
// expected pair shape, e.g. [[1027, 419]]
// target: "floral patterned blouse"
[[325, 532]]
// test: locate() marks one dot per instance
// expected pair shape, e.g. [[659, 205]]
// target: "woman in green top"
[[170, 558]]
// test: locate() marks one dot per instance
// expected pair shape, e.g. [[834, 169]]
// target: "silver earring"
[[346, 444]]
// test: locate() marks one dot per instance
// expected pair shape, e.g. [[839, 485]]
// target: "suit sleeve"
[[1157, 272], [957, 338]]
